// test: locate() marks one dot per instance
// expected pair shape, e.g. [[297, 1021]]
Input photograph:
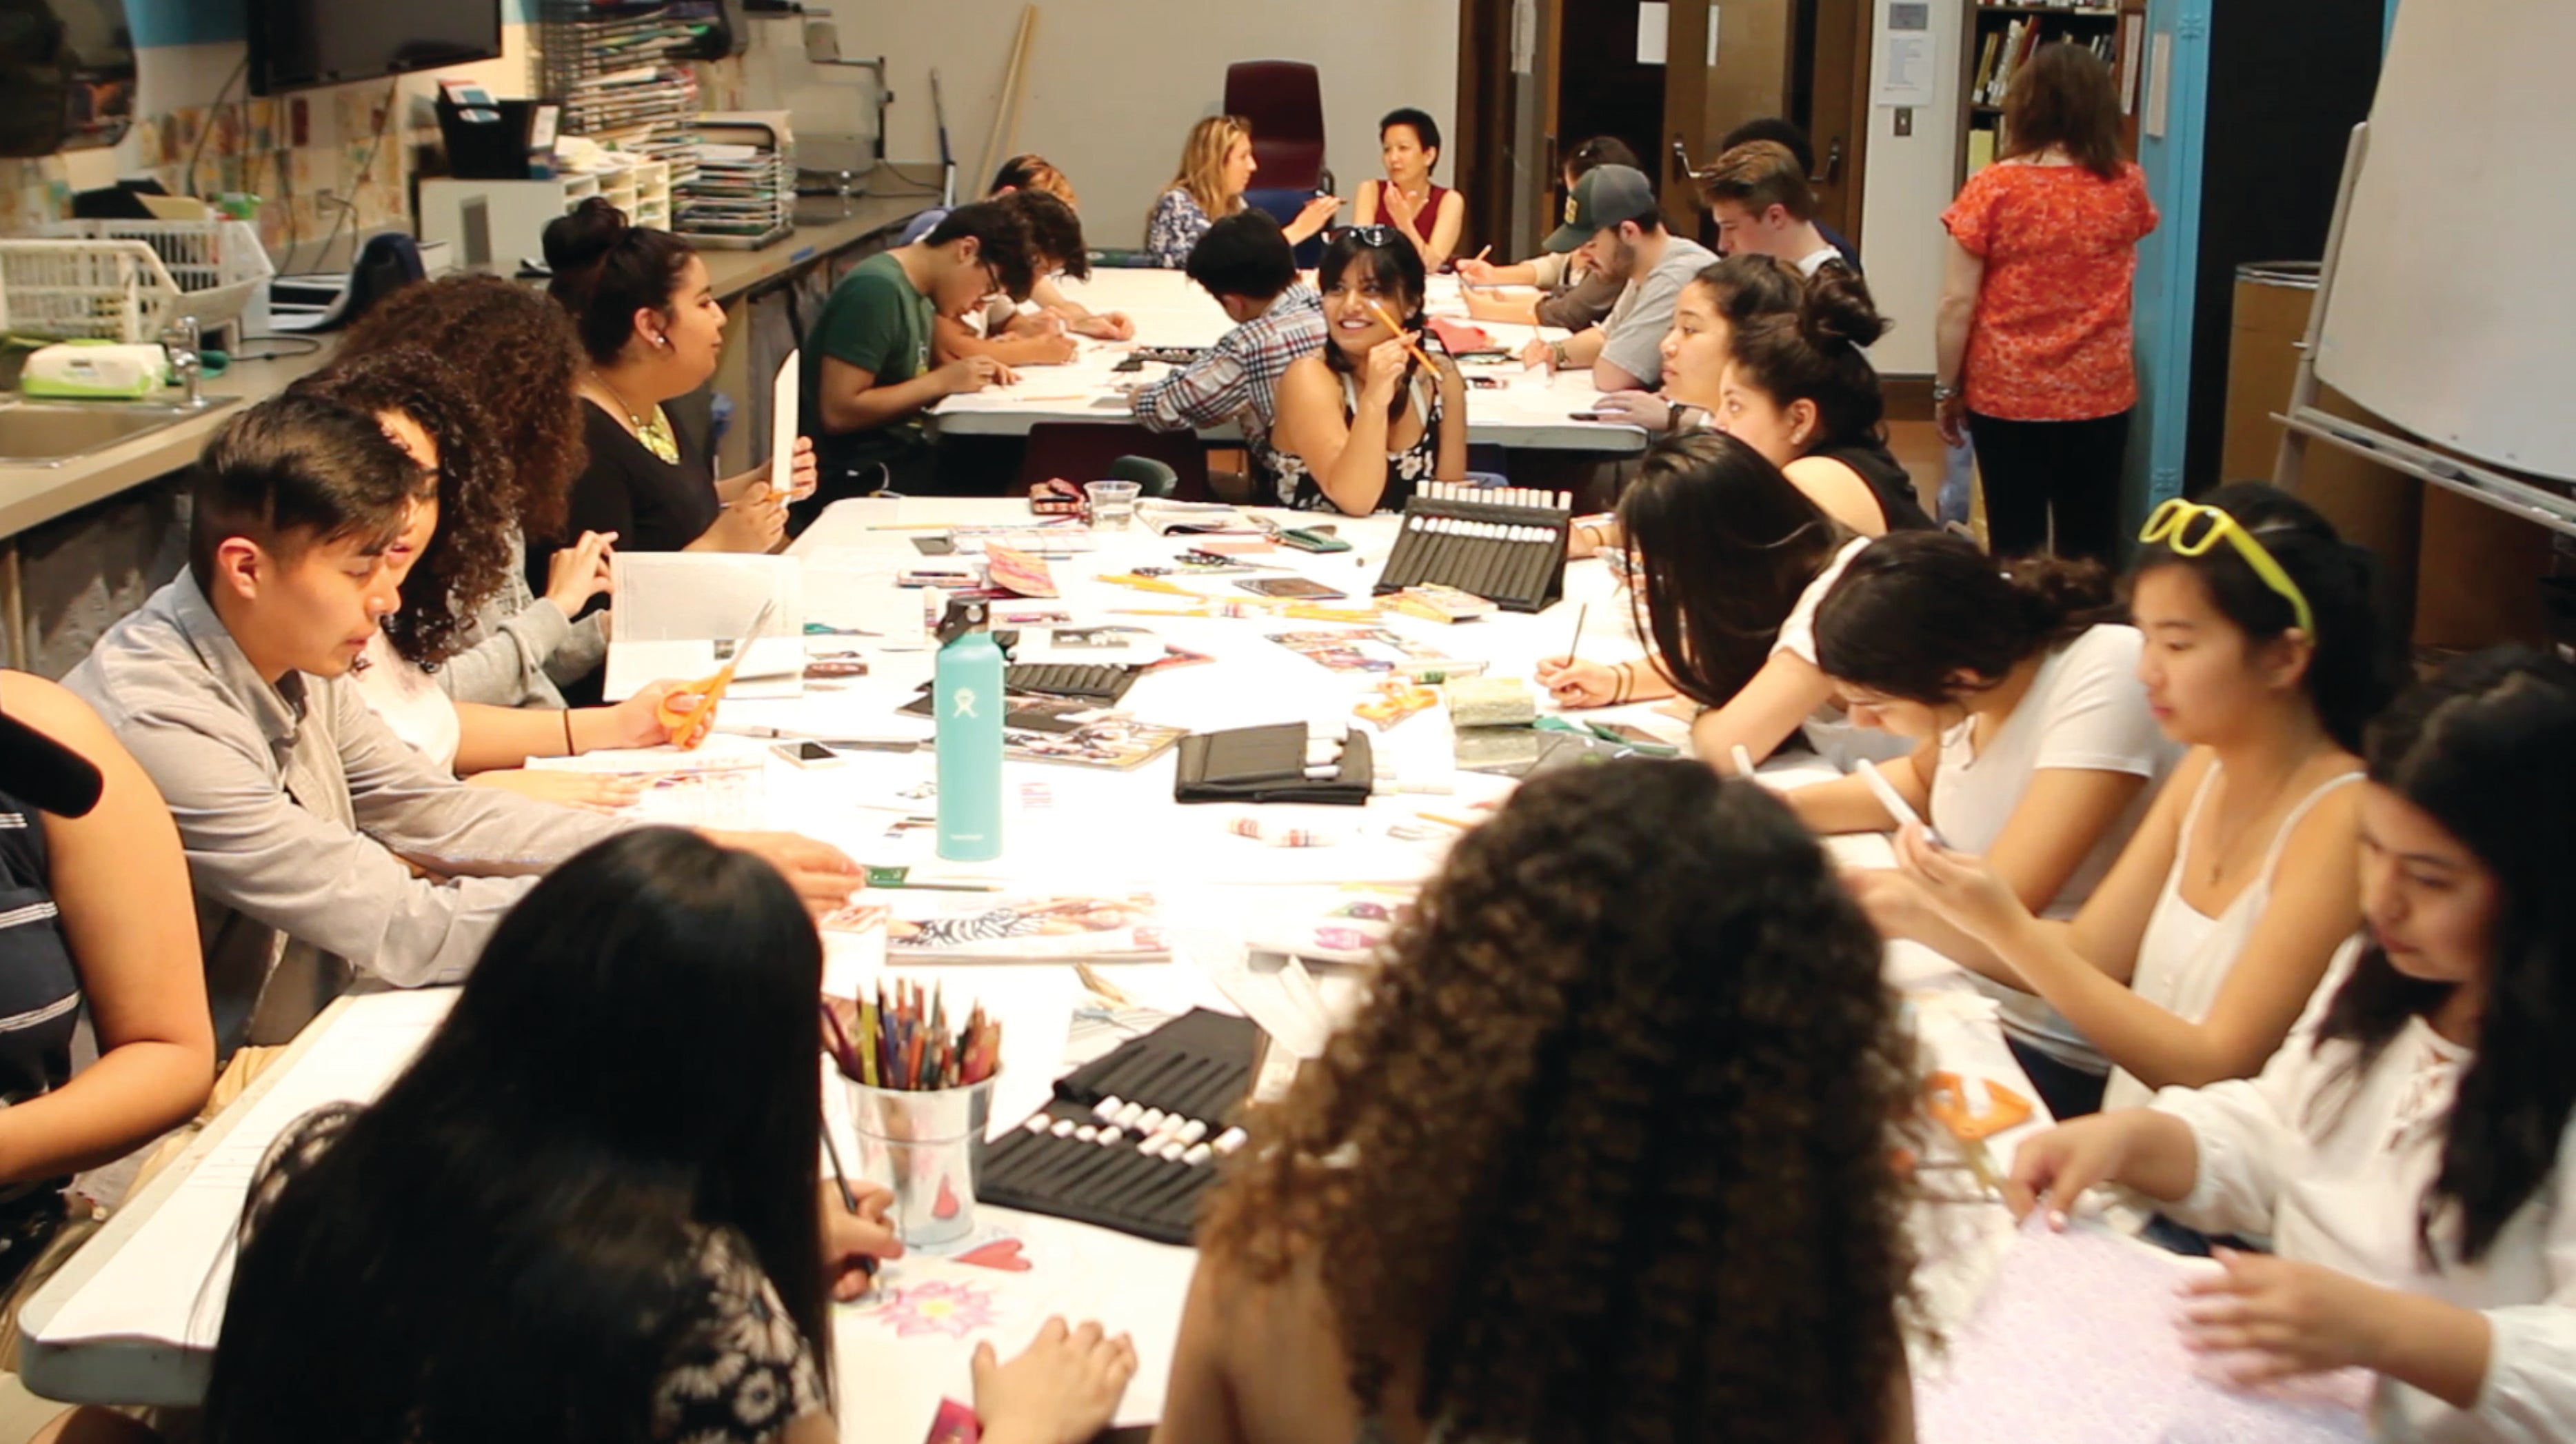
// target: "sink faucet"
[[184, 358]]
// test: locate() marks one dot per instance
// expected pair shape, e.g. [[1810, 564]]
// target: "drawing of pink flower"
[[939, 1308]]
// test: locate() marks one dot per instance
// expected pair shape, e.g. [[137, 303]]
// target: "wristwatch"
[[1556, 355], [1943, 391]]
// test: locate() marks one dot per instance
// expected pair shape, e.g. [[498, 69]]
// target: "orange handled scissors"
[[689, 726]]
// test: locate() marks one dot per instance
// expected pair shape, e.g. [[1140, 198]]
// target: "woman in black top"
[[652, 329], [1798, 389], [95, 914]]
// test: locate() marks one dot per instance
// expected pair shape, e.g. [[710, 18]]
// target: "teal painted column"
[[2168, 260]]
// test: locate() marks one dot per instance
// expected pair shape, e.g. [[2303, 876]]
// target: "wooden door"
[[1830, 98]]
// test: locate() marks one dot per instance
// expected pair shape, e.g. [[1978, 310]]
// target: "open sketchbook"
[[1068, 927], [679, 615], [167, 1282], [2077, 1340]]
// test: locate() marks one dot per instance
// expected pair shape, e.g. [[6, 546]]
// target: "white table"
[[144, 1315], [1529, 409]]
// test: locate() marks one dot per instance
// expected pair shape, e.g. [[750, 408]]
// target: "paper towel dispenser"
[[66, 75]]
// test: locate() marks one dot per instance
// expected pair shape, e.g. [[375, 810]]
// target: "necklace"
[[655, 433], [2220, 857]]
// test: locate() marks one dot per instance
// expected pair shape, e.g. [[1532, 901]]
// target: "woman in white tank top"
[[2266, 655]]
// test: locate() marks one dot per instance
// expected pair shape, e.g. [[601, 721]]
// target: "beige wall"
[[1910, 182], [1112, 86]]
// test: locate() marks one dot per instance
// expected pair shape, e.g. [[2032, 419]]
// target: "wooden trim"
[[1909, 398]]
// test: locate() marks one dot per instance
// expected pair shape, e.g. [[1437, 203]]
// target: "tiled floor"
[[1917, 445]]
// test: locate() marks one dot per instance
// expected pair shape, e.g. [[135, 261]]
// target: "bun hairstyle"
[[1395, 266], [1924, 616], [2487, 748], [1723, 546], [606, 270], [2359, 660], [1814, 354]]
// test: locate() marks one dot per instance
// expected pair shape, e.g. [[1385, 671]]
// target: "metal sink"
[[52, 433]]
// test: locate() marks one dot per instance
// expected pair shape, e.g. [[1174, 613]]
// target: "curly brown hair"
[[1608, 1153], [518, 356], [467, 560]]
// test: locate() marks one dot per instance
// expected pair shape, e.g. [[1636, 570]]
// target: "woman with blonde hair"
[[1216, 168]]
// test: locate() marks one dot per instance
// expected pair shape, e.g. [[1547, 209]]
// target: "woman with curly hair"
[[516, 356], [455, 542], [1607, 1156]]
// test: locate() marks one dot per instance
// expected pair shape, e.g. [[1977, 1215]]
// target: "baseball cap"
[[1607, 195], [39, 770]]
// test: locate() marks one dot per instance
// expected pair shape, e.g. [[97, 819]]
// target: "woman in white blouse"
[[2408, 1152], [452, 555], [2264, 653], [2034, 745]]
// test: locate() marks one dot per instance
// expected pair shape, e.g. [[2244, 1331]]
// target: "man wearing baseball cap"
[[1617, 218]]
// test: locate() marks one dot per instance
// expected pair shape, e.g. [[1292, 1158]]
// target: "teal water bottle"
[[966, 697]]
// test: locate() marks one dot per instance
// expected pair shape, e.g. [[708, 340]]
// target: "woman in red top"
[[1409, 143], [2035, 311]]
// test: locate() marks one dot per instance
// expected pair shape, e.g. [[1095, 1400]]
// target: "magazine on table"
[[1038, 728], [1024, 927]]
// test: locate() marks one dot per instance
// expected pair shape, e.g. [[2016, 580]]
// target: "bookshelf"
[[2000, 37]]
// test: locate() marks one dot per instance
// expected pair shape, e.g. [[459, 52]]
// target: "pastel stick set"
[[1132, 1140], [1505, 544]]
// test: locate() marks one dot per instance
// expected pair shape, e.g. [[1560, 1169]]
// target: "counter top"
[[32, 495]]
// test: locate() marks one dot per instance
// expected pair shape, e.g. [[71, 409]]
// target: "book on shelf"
[[1981, 148], [1986, 58]]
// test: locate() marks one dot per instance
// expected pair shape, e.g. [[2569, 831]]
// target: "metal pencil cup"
[[928, 1147]]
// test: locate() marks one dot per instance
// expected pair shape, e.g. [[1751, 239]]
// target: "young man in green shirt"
[[868, 372]]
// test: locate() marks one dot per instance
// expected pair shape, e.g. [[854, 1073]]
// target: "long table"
[[1529, 409], [133, 1318]]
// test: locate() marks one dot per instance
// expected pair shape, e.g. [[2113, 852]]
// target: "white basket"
[[129, 280]]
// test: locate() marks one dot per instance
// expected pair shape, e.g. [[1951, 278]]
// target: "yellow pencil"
[[1381, 313]]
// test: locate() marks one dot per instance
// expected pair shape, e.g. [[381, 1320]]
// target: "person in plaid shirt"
[[1245, 262]]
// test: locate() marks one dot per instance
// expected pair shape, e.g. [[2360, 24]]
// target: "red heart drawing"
[[1002, 1253], [945, 1206]]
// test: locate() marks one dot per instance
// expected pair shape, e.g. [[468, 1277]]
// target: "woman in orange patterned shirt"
[[2035, 311]]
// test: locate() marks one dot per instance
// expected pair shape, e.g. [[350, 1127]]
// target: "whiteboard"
[[2452, 310]]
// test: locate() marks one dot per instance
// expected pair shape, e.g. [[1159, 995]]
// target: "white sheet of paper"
[[1654, 26], [676, 610], [784, 398], [190, 1237]]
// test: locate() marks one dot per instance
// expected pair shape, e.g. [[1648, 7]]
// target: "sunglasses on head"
[[2188, 529], [1370, 235]]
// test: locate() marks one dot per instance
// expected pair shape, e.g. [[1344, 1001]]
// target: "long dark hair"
[[606, 270], [1724, 545], [2359, 660], [1396, 266], [1814, 353], [2487, 748], [518, 357], [467, 559], [2065, 97], [1662, 1193], [1925, 616], [504, 1246]]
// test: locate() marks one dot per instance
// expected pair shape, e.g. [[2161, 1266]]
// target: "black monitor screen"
[[297, 43]]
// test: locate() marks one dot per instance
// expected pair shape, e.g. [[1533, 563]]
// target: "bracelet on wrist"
[[571, 749]]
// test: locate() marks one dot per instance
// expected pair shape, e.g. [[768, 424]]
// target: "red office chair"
[[1284, 100]]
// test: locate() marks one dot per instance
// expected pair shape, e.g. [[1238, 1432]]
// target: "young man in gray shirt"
[[321, 845], [1617, 217]]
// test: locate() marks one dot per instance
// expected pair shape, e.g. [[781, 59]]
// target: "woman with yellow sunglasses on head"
[[2265, 654]]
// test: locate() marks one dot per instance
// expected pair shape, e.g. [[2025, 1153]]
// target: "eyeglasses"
[[2171, 525], [1370, 235]]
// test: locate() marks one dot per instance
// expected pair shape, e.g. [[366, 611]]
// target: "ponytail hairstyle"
[[1723, 545], [1397, 268], [607, 270], [1926, 617], [2359, 659], [2487, 748], [1814, 354], [467, 559]]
